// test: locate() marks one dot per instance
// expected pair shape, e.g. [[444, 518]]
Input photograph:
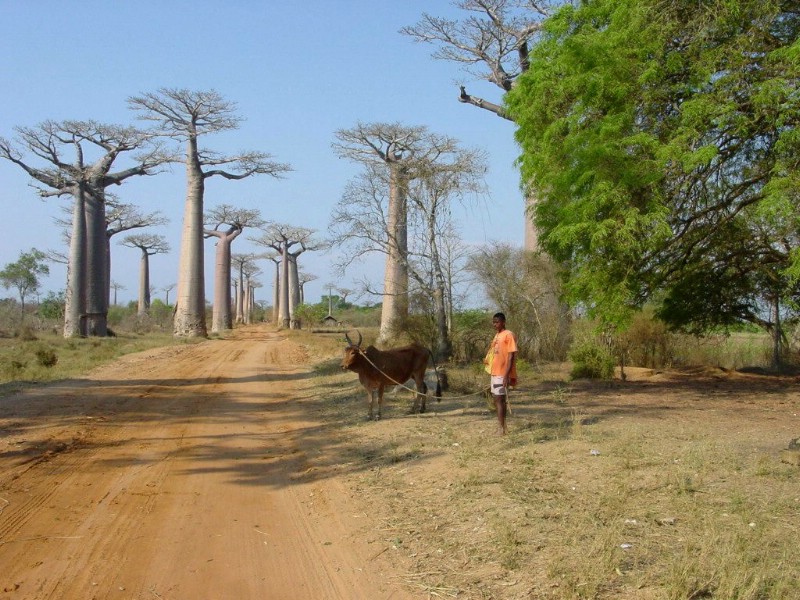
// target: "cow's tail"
[[439, 387]]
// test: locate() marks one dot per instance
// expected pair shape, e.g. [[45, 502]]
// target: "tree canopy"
[[24, 274], [662, 140]]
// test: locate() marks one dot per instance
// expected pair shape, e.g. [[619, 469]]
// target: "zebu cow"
[[378, 368]]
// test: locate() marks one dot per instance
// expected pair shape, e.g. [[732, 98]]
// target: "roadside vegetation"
[[666, 486]]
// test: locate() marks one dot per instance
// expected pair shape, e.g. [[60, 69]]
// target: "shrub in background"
[[591, 359], [46, 357]]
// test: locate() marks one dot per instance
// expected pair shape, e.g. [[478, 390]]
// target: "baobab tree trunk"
[[144, 284], [96, 244], [240, 297], [276, 297], [283, 312], [395, 284], [74, 305], [444, 346], [221, 318], [294, 292], [190, 317], [247, 303]]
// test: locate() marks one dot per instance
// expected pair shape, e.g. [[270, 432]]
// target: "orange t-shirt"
[[504, 343]]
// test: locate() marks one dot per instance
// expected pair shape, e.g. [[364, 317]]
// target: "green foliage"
[[117, 313], [52, 307], [311, 315], [24, 274], [592, 360], [661, 141]]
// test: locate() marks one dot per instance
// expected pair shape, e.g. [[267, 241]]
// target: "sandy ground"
[[178, 473]]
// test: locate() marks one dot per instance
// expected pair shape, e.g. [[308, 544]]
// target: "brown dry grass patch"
[[668, 485]]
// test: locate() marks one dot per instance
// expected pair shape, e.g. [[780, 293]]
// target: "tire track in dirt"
[[186, 479]]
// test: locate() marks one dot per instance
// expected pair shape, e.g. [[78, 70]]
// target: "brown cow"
[[378, 368]]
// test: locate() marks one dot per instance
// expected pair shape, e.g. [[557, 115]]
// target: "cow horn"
[[360, 339], [347, 337]]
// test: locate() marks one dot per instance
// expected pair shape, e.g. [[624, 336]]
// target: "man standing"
[[503, 368]]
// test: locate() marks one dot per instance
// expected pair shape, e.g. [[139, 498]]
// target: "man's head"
[[499, 321]]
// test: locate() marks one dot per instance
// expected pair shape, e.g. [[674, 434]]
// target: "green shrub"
[[591, 359], [46, 357]]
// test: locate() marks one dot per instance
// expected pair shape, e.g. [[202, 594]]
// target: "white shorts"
[[497, 387]]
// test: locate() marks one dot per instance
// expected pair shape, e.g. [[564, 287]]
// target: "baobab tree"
[[116, 286], [167, 289], [303, 278], [149, 245], [281, 238], [186, 115], [226, 223], [275, 257], [395, 148], [491, 43], [250, 284], [435, 182], [120, 217], [85, 180], [242, 263]]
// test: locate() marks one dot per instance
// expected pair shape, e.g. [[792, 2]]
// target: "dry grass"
[[665, 487], [50, 357]]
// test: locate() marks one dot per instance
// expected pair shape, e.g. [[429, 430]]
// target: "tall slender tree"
[[167, 289], [242, 263], [187, 115], [121, 217], [435, 181], [281, 238], [226, 223], [455, 175], [149, 245], [96, 148], [275, 257], [396, 150]]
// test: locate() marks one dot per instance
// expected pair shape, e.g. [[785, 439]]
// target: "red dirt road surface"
[[178, 473]]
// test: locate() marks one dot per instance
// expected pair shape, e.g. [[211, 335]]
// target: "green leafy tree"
[[663, 138], [52, 307], [24, 275]]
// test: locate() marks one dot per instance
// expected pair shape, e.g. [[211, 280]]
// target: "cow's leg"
[[420, 395], [380, 399], [371, 401]]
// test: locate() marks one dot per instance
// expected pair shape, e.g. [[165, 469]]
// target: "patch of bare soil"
[[183, 472]]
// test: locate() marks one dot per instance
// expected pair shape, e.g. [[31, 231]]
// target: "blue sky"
[[297, 71]]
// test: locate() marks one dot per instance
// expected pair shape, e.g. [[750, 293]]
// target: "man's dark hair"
[[500, 316]]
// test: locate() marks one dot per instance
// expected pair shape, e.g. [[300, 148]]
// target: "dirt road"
[[179, 474]]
